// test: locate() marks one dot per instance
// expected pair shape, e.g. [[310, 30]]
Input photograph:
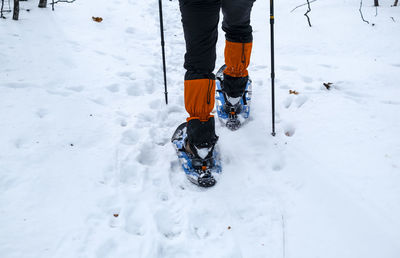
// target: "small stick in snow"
[[1, 10], [393, 19], [60, 1], [293, 92], [308, 10], [362, 17], [328, 85], [302, 5]]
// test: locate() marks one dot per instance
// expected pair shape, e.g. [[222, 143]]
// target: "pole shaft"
[[272, 21], [163, 51]]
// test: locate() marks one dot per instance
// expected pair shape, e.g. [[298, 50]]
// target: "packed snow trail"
[[86, 164]]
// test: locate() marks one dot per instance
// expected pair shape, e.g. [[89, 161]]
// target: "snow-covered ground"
[[87, 169]]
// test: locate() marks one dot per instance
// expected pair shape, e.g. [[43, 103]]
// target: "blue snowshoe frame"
[[179, 140], [220, 101]]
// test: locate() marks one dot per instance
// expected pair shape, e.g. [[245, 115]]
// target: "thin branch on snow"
[[60, 1], [362, 17], [393, 19], [308, 10], [1, 11], [302, 5]]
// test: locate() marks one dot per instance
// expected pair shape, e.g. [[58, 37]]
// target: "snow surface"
[[87, 169]]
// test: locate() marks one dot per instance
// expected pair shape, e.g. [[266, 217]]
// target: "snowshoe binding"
[[199, 165], [233, 112]]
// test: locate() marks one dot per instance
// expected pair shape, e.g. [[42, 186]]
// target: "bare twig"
[[362, 17], [302, 5], [60, 1], [308, 10], [1, 10], [393, 19]]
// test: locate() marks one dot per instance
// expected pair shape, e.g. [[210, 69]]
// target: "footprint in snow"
[[288, 101], [135, 220], [130, 30], [278, 163], [41, 113], [106, 248], [155, 104], [390, 102], [122, 122], [289, 129], [135, 90], [100, 52], [18, 85], [113, 87], [119, 58], [307, 79], [128, 75], [300, 100], [168, 223], [132, 174], [147, 156], [150, 86], [130, 137], [288, 68]]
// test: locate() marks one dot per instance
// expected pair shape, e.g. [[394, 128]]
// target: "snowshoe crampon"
[[199, 171], [232, 112]]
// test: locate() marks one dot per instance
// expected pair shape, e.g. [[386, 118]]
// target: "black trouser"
[[200, 24]]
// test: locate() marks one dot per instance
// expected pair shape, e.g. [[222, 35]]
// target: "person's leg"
[[200, 25], [238, 45]]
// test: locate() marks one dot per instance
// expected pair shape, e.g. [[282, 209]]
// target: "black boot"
[[201, 138]]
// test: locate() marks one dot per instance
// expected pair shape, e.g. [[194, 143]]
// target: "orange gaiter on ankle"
[[199, 98], [237, 58]]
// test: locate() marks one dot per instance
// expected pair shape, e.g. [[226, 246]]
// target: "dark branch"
[[308, 10], [1, 11], [302, 5], [362, 17], [60, 1]]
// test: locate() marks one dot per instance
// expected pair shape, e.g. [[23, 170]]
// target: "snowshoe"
[[232, 112], [200, 171]]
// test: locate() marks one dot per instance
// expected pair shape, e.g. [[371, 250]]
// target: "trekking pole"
[[272, 19], [163, 51]]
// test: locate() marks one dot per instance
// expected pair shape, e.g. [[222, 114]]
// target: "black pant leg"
[[200, 25], [236, 22]]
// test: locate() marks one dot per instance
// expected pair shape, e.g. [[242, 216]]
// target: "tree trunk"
[[16, 10], [396, 2], [43, 3], [376, 2]]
